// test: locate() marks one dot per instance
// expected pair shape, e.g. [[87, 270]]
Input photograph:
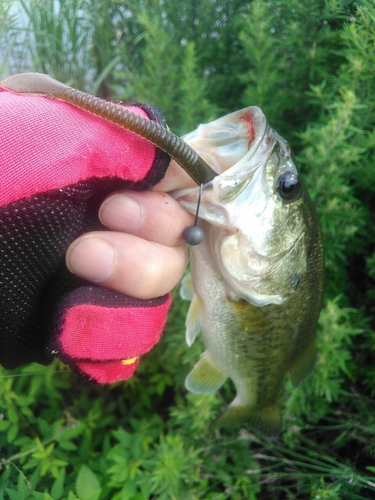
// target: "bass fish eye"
[[288, 186]]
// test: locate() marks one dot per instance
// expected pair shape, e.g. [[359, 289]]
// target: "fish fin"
[[187, 289], [267, 420], [193, 324], [304, 365], [205, 377]]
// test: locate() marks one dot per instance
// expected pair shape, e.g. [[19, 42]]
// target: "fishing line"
[[193, 235]]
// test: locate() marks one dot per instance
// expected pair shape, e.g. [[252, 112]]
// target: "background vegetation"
[[311, 66]]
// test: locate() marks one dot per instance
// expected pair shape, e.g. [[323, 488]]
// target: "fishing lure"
[[163, 138]]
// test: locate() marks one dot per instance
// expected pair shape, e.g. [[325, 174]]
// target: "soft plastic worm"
[[174, 146]]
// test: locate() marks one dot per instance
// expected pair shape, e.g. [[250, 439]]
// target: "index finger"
[[153, 216]]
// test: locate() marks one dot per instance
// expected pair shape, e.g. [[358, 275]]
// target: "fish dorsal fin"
[[304, 365], [205, 377], [193, 324]]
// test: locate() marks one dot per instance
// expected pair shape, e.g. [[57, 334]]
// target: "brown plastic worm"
[[174, 146]]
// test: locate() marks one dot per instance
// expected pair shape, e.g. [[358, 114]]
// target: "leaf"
[[14, 495], [72, 496], [57, 490], [4, 424], [87, 484], [13, 415], [23, 490], [68, 445], [41, 496], [12, 433]]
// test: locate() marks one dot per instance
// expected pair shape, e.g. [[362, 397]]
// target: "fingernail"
[[91, 258], [121, 212]]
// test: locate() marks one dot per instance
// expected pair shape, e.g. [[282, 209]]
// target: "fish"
[[257, 279]]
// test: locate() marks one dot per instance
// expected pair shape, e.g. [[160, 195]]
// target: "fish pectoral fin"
[[304, 365], [267, 420], [205, 377], [187, 289], [193, 325]]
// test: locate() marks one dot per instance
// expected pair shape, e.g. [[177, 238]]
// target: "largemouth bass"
[[257, 279]]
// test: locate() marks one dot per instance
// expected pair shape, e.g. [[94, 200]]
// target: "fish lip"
[[241, 172], [228, 185], [206, 143]]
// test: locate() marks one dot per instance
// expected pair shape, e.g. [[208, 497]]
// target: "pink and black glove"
[[57, 164]]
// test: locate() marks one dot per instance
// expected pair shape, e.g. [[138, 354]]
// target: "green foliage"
[[7, 37], [332, 146], [311, 67], [157, 63], [193, 89], [288, 48], [57, 39], [167, 75]]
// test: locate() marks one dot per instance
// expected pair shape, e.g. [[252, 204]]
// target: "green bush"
[[311, 67]]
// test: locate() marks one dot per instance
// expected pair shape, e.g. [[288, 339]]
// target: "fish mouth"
[[237, 146]]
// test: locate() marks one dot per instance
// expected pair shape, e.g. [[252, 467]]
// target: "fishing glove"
[[57, 164]]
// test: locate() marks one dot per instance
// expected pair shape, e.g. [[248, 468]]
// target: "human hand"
[[144, 255], [58, 163]]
